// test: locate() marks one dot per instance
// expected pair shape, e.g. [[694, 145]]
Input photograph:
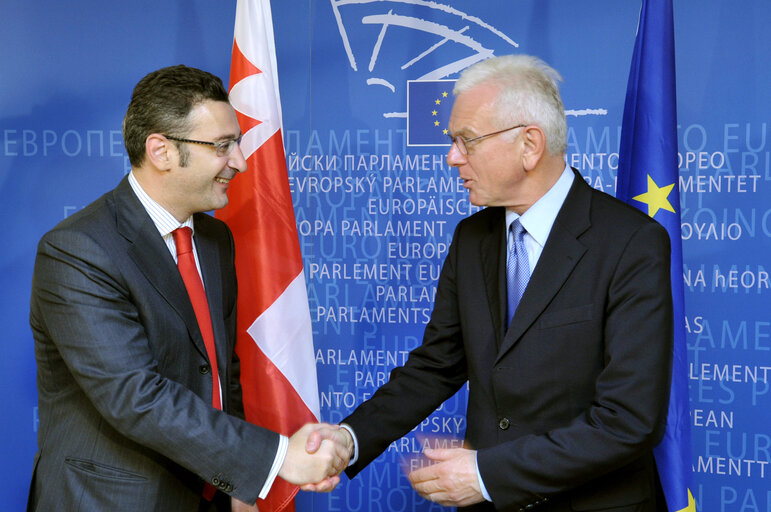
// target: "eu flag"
[[648, 180], [429, 103]]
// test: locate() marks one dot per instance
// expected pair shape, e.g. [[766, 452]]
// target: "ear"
[[534, 146], [160, 151]]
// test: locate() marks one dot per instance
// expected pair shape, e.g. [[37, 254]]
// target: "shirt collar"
[[539, 218], [164, 221]]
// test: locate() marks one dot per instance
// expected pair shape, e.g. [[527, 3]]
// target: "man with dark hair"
[[161, 102], [133, 312], [554, 304]]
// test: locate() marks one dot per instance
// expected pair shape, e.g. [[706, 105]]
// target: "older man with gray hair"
[[553, 303]]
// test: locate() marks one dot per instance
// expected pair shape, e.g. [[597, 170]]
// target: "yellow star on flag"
[[656, 197], [436, 123], [444, 94], [691, 504], [434, 112], [445, 131], [437, 101]]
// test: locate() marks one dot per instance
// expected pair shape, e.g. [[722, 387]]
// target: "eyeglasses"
[[463, 143], [223, 148]]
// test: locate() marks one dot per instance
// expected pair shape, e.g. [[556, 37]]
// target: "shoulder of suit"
[[607, 207], [90, 216], [84, 231]]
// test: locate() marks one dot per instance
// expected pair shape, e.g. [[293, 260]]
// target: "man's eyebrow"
[[229, 137], [462, 132]]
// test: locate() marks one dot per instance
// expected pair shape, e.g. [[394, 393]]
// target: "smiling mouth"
[[224, 181]]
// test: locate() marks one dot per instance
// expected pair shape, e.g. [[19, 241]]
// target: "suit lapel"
[[208, 258], [491, 249], [152, 258], [560, 255]]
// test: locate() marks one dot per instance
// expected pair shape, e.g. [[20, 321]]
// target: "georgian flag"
[[274, 342]]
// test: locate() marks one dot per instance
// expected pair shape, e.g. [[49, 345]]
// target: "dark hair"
[[161, 102]]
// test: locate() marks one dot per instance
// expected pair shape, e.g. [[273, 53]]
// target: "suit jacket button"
[[504, 424], [215, 481], [204, 369], [229, 488]]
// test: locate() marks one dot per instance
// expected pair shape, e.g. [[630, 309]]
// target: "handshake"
[[318, 453], [316, 456]]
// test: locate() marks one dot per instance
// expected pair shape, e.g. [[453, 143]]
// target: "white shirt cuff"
[[355, 455], [481, 483], [283, 446]]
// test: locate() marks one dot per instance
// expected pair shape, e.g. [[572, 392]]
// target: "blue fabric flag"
[[429, 103], [648, 180]]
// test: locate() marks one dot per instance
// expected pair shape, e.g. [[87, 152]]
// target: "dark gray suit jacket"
[[566, 406], [124, 382]]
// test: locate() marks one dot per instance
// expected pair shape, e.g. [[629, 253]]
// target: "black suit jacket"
[[566, 405], [124, 382]]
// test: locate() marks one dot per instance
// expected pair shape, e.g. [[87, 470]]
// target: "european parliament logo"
[[429, 103]]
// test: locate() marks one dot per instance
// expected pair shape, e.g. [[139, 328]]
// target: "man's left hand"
[[451, 480]]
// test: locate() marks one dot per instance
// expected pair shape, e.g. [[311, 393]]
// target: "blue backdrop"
[[376, 206]]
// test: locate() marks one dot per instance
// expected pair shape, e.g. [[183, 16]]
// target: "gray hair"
[[528, 93]]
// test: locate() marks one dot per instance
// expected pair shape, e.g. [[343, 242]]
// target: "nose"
[[454, 157], [236, 160]]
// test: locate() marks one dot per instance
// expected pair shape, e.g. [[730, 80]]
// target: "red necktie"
[[194, 285]]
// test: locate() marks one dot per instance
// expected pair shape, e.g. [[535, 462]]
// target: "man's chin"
[[476, 201], [220, 203]]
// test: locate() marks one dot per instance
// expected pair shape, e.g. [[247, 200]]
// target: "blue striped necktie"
[[517, 268]]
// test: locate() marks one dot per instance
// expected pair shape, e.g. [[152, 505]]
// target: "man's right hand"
[[317, 470], [315, 441]]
